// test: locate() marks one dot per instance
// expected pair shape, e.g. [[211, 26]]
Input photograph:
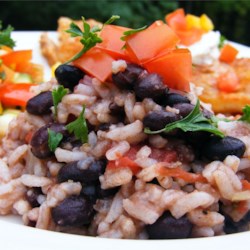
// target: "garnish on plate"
[[57, 95], [89, 36], [54, 139], [79, 127], [195, 121], [5, 38]]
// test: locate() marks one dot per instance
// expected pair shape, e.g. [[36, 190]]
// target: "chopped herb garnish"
[[131, 32], [54, 139], [222, 41], [57, 95], [89, 36], [79, 127], [246, 114], [195, 121], [5, 38]]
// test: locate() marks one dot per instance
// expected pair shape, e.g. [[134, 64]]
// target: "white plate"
[[14, 235]]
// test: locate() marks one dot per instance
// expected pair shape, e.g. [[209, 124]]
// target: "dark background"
[[231, 17]]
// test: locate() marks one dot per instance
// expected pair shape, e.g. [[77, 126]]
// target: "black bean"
[[156, 120], [125, 79], [151, 86], [40, 104], [231, 226], [75, 171], [167, 227], [104, 126], [184, 108], [39, 141], [219, 148], [73, 211], [197, 138], [171, 99], [89, 191], [116, 110], [105, 193], [32, 196], [68, 75]]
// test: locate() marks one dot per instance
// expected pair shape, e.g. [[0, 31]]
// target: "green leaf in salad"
[[54, 139], [246, 114], [5, 36], [79, 127], [57, 95], [89, 36], [131, 32], [195, 121], [222, 41]]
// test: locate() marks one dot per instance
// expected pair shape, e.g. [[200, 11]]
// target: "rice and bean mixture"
[[123, 182]]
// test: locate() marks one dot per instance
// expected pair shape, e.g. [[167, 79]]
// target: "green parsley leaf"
[[222, 41], [195, 121], [89, 37], [5, 38], [131, 32], [79, 127], [246, 114], [54, 139], [57, 95]]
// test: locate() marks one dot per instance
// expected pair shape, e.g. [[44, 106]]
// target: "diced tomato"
[[182, 174], [124, 162], [14, 58], [245, 185], [228, 82], [228, 53], [177, 20], [242, 207], [15, 94], [175, 68], [189, 37], [112, 44], [96, 63], [151, 42]]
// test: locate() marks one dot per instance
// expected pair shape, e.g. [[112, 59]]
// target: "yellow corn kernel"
[[206, 23], [53, 68], [193, 21]]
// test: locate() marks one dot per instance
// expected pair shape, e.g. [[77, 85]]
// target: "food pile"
[[118, 145], [17, 75]]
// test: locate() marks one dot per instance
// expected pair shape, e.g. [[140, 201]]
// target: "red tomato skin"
[[175, 68], [112, 44], [96, 63], [151, 42]]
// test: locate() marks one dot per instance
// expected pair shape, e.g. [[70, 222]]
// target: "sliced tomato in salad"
[[112, 43], [188, 32], [151, 42], [14, 58], [12, 95], [176, 20], [175, 68], [228, 82], [228, 53], [97, 63]]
